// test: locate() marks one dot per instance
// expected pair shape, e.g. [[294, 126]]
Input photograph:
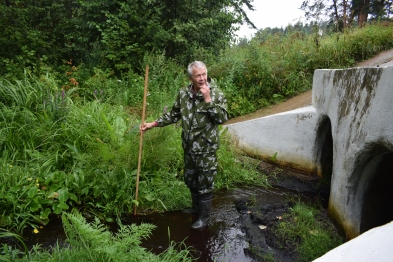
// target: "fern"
[[98, 244]]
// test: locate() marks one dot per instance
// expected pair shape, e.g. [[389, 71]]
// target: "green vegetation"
[[273, 67], [71, 95], [302, 229], [112, 35], [61, 150], [92, 242]]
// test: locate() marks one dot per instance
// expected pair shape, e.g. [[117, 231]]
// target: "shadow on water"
[[223, 240]]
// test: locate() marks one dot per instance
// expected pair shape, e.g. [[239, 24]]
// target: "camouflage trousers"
[[199, 172]]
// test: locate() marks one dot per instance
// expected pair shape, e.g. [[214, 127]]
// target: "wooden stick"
[[141, 139]]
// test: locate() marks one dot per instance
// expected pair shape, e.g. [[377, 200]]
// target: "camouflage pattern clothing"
[[200, 134], [199, 172]]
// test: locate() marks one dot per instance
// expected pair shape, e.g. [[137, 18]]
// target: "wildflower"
[[11, 166], [37, 185], [35, 230], [29, 179], [36, 180]]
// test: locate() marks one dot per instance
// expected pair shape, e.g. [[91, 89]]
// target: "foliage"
[[93, 242], [302, 229], [64, 149], [69, 135], [112, 35], [235, 168], [274, 67], [342, 14]]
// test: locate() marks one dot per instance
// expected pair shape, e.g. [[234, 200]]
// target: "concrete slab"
[[373, 245]]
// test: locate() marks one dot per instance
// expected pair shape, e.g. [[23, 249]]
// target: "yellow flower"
[[37, 185], [29, 178], [10, 165], [36, 181], [35, 230]]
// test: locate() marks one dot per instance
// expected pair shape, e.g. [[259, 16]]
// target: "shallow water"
[[223, 240]]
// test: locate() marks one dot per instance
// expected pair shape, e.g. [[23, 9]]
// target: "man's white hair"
[[197, 64]]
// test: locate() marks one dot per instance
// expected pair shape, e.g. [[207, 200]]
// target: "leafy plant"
[[93, 242]]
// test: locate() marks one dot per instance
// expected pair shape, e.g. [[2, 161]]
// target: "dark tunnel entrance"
[[377, 207], [325, 156]]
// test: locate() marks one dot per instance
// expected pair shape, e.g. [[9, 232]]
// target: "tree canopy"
[[114, 34], [342, 13]]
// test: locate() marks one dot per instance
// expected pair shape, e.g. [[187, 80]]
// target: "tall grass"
[[271, 69]]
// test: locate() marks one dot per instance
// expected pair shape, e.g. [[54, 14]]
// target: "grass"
[[302, 230]]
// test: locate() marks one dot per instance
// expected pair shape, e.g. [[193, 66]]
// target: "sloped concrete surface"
[[289, 136], [375, 245]]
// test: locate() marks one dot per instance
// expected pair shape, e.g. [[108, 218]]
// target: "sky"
[[272, 13]]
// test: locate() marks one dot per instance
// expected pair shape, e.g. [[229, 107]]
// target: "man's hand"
[[147, 126], [205, 91]]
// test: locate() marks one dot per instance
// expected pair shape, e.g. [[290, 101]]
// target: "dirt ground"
[[264, 244]]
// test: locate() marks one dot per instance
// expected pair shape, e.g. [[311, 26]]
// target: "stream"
[[224, 240]]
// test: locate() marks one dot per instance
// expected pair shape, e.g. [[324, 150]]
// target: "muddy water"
[[223, 240]]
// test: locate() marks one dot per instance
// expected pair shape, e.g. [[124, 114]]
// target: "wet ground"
[[234, 232]]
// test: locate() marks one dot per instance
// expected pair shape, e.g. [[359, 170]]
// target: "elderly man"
[[202, 108]]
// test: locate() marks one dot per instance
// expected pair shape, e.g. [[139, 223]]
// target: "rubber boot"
[[195, 205], [204, 213]]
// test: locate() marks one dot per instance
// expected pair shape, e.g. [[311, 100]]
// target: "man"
[[202, 108]]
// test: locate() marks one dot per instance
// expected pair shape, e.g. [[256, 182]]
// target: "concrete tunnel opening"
[[377, 205], [324, 145]]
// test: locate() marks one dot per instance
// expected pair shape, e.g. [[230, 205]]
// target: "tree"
[[342, 13], [115, 34]]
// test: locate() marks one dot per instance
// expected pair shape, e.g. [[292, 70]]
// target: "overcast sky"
[[272, 13]]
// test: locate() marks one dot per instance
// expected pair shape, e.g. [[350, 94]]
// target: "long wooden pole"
[[141, 138]]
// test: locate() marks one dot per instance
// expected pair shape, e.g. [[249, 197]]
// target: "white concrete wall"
[[291, 135]]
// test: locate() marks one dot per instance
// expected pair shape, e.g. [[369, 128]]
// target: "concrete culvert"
[[324, 147], [377, 206]]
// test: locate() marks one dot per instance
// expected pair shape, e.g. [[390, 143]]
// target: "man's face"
[[199, 77]]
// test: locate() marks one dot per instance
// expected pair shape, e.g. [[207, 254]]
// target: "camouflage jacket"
[[200, 120]]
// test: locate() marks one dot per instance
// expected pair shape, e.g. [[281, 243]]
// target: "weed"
[[252, 200], [301, 229]]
